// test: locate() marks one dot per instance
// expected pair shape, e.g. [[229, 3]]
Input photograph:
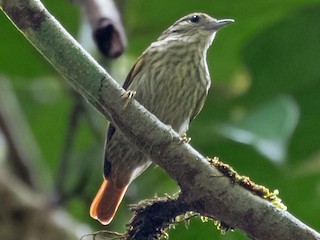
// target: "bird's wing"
[[136, 68], [199, 106]]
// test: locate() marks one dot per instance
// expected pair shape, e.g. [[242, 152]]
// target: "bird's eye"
[[195, 19]]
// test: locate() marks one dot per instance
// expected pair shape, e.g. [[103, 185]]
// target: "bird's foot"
[[184, 138], [127, 96]]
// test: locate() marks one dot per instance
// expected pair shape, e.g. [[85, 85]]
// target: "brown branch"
[[203, 189]]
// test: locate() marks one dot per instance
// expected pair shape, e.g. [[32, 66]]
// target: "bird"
[[170, 79]]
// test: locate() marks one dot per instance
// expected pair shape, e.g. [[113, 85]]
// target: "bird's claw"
[[127, 96], [184, 138]]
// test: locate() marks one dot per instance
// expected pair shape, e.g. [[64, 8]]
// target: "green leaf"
[[268, 128]]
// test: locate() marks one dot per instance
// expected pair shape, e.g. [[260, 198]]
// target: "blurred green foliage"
[[266, 82]]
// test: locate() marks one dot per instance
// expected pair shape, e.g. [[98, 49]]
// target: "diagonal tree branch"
[[203, 190]]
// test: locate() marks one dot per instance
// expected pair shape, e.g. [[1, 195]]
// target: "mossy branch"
[[203, 190]]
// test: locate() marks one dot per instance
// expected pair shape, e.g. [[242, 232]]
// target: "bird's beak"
[[217, 24]]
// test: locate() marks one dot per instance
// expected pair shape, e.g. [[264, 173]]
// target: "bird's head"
[[195, 27]]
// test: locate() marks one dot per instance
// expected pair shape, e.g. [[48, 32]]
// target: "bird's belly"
[[175, 105]]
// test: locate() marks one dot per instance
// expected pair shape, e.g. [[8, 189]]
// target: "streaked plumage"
[[171, 80]]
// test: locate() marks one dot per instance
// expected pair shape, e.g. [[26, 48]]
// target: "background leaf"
[[268, 128]]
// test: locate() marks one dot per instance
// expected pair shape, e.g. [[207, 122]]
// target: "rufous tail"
[[106, 202]]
